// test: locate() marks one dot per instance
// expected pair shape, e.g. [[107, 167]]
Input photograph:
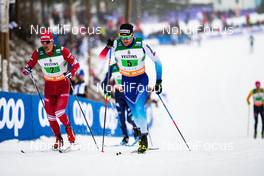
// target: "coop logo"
[[42, 115], [78, 116], [12, 114], [111, 119]]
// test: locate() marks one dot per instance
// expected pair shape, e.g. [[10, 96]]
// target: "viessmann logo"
[[12, 114], [50, 64], [129, 56]]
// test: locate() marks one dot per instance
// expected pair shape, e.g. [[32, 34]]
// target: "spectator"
[[80, 87]]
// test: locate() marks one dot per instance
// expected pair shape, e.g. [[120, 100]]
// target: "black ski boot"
[[125, 140], [143, 144]]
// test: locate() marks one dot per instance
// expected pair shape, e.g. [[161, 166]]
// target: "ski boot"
[[58, 144], [70, 134], [125, 140], [143, 144]]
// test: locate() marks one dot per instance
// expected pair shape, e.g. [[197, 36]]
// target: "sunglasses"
[[45, 42], [125, 37]]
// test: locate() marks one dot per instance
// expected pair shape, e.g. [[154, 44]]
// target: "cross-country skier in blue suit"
[[130, 53]]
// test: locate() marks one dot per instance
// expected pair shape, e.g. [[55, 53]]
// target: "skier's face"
[[126, 40], [257, 85], [47, 45]]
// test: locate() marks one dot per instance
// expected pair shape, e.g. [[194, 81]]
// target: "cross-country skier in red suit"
[[53, 60]]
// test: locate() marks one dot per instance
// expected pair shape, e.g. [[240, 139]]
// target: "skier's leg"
[[262, 120], [130, 120], [61, 104], [122, 118], [140, 118], [49, 102], [256, 121], [49, 107], [60, 108], [130, 117], [136, 94], [139, 112], [121, 109]]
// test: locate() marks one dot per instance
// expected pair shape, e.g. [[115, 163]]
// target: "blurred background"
[[154, 20]]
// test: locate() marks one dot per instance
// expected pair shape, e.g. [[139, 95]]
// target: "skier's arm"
[[155, 59], [105, 51], [248, 97], [31, 63], [113, 48], [67, 55], [105, 83]]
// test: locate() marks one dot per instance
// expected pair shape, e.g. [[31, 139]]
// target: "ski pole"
[[106, 101], [149, 135], [174, 122], [76, 98], [150, 138], [33, 80]]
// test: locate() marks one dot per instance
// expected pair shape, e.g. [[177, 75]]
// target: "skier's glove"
[[158, 87], [107, 97], [67, 75], [26, 71], [107, 92], [110, 43]]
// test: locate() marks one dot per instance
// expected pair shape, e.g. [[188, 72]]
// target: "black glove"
[[107, 91], [158, 87], [110, 43], [107, 94], [67, 75]]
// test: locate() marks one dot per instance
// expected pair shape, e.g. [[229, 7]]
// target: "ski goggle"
[[45, 42], [125, 37]]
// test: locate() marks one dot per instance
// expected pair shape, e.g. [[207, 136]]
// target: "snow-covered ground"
[[206, 89]]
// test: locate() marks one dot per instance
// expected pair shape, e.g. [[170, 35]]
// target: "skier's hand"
[[107, 97], [110, 43], [67, 75], [107, 92], [26, 71], [158, 87]]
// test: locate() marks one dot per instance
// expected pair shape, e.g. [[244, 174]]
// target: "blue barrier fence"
[[22, 117]]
